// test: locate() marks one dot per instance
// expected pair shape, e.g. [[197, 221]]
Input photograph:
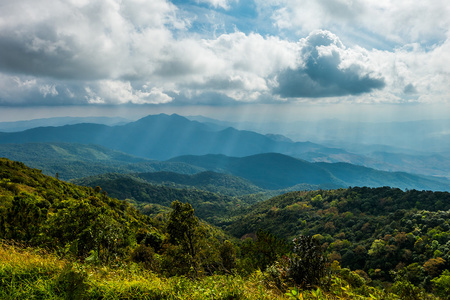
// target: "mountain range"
[[59, 121], [72, 160], [162, 137], [176, 144], [278, 171]]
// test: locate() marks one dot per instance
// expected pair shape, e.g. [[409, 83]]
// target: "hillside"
[[397, 243], [208, 181], [62, 241], [211, 207], [71, 160], [45, 212], [372, 229], [277, 171]]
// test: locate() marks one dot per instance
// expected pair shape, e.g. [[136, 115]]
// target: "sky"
[[235, 59]]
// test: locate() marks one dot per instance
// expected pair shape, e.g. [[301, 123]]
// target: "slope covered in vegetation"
[[41, 210], [211, 207], [72, 160], [381, 231], [65, 241]]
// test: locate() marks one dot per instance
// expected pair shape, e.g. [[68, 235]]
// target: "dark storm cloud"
[[321, 74], [410, 89], [42, 52]]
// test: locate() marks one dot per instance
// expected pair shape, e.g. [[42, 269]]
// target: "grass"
[[29, 273]]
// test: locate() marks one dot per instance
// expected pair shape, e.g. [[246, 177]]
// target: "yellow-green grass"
[[28, 273], [31, 273]]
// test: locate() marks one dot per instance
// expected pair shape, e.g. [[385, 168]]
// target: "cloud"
[[225, 4], [203, 98], [84, 39], [140, 51], [324, 73], [120, 92], [28, 90], [398, 22]]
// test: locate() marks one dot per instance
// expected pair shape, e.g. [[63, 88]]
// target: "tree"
[[183, 229], [442, 285], [265, 250], [307, 264], [228, 256], [433, 266]]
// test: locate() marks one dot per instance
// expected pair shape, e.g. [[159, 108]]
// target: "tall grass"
[[28, 273]]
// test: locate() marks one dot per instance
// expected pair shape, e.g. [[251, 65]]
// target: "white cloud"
[[241, 65], [120, 92], [400, 21], [94, 39], [47, 89], [328, 69], [225, 4], [142, 51]]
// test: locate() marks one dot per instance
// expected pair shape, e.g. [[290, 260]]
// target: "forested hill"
[[356, 243], [71, 160], [377, 230], [42, 211], [209, 206]]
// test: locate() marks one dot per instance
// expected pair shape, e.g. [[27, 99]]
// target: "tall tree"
[[183, 229]]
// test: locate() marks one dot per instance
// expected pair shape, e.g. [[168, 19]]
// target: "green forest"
[[121, 237]]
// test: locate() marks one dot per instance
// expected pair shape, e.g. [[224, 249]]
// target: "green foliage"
[[294, 294], [405, 289], [264, 250], [305, 267], [214, 182], [183, 229], [441, 285], [71, 283], [372, 231], [71, 220], [26, 273], [228, 256], [214, 208]]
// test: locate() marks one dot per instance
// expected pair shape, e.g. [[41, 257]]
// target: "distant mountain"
[[59, 121], [78, 160], [431, 164], [162, 137], [419, 147], [277, 171], [411, 136]]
